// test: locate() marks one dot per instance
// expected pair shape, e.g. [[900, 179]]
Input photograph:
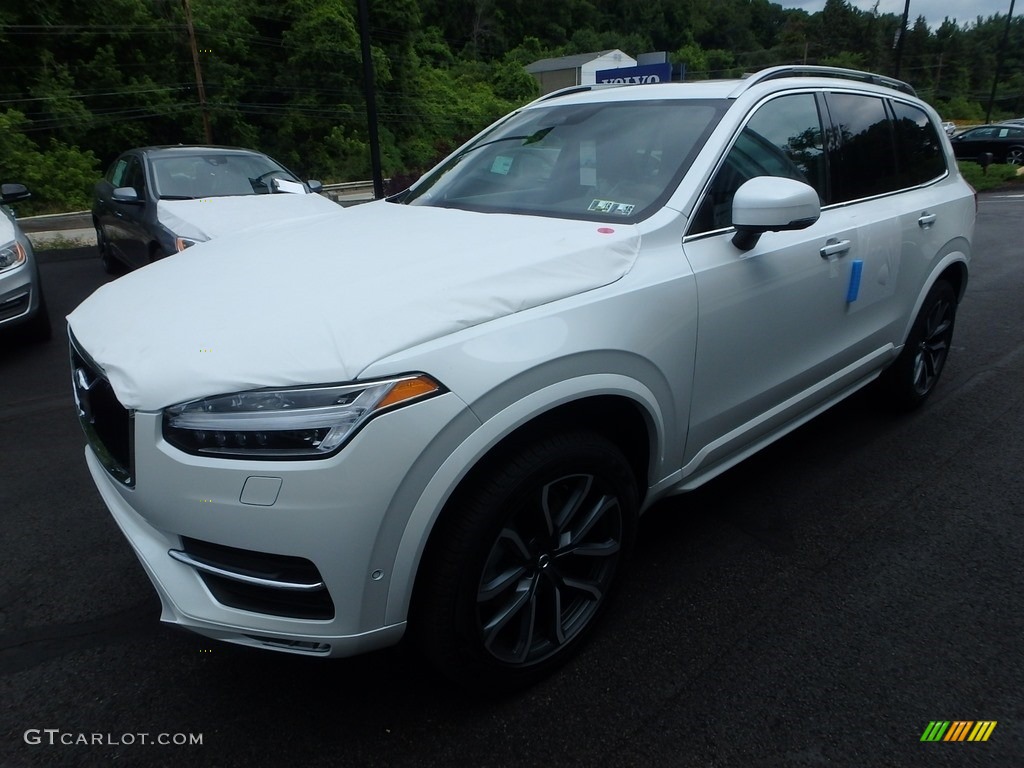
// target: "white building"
[[565, 71]]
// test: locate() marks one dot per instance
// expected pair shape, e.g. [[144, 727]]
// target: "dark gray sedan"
[[155, 201], [1004, 141]]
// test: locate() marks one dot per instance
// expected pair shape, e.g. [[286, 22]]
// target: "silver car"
[[440, 418], [23, 311]]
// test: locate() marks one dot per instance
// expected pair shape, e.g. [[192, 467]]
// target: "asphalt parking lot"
[[819, 605]]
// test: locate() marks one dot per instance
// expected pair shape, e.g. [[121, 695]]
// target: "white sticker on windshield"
[[609, 206], [588, 163], [502, 164]]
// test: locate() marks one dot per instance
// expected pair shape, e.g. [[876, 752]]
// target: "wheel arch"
[[627, 419], [956, 275], [953, 269]]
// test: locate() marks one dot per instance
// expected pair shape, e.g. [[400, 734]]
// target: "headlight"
[[307, 422], [11, 255]]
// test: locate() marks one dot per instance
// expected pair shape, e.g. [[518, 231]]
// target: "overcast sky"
[[963, 11]]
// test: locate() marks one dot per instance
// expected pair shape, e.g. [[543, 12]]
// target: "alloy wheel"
[[934, 347], [549, 570]]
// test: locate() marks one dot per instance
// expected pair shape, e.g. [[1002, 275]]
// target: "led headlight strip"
[[304, 422]]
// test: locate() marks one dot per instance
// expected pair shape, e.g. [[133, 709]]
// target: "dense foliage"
[[83, 81]]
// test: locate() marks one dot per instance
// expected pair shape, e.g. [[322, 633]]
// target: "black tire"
[[1015, 156], [521, 565], [912, 378], [110, 264], [39, 329]]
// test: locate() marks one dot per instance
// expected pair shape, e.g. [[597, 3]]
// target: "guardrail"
[[351, 190], [345, 193]]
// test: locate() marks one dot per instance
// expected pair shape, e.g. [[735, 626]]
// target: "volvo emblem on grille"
[[81, 388]]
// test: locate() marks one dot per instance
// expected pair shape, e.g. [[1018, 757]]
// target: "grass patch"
[[996, 176], [59, 242]]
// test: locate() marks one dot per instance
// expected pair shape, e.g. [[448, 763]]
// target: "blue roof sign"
[[649, 73]]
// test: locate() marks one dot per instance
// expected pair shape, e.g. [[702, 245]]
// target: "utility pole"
[[899, 41], [999, 63], [371, 101], [207, 132]]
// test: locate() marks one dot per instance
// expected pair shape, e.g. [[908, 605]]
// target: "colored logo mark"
[[958, 730]]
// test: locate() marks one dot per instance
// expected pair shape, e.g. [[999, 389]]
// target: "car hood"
[[317, 304], [210, 217]]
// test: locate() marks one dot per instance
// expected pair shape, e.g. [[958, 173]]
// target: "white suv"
[[441, 415]]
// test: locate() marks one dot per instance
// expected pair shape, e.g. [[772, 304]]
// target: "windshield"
[[602, 162], [190, 177]]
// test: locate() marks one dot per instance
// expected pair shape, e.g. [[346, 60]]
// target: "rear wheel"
[[522, 565], [1015, 156], [912, 378]]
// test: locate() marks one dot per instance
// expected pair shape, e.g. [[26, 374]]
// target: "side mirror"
[[126, 195], [315, 186], [772, 204], [11, 193]]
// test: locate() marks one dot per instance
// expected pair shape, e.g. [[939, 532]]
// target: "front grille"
[[258, 598], [108, 425]]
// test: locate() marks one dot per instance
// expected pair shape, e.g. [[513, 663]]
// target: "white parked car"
[[440, 417]]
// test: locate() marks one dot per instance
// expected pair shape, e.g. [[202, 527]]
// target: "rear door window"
[[864, 161]]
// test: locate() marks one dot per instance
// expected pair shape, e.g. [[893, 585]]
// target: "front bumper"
[[19, 294], [344, 516]]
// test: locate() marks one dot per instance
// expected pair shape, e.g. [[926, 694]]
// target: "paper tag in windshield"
[[502, 164], [610, 206]]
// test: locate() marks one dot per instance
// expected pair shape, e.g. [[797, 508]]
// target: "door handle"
[[834, 247], [926, 220]]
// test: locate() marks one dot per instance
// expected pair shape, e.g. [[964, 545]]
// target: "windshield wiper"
[[532, 138]]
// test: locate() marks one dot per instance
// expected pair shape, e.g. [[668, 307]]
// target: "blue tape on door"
[[854, 289]]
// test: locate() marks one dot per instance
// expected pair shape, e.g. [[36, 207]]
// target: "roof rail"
[[804, 70], [571, 89]]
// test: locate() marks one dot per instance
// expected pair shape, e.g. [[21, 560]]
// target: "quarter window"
[[918, 147]]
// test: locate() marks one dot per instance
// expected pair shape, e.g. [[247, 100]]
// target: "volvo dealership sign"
[[649, 73]]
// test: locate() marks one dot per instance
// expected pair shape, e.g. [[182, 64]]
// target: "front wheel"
[[912, 378], [522, 564], [110, 265]]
